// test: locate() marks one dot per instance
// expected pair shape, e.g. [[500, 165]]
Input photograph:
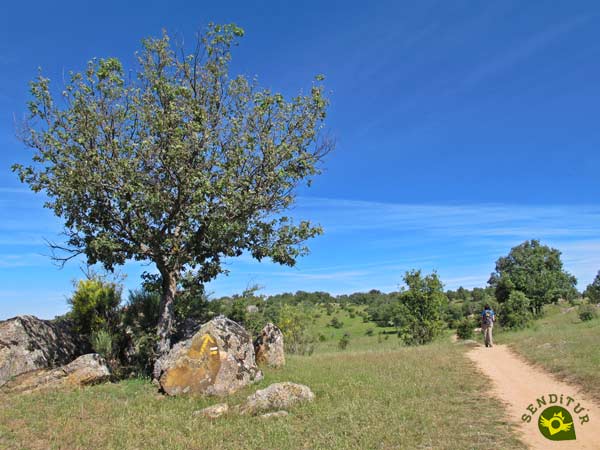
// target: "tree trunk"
[[166, 319]]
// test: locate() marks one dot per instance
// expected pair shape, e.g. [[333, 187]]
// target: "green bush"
[[102, 343], [142, 310], [587, 312], [369, 332], [344, 341], [465, 327], [336, 323], [94, 306], [293, 322]]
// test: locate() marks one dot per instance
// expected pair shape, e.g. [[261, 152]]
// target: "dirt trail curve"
[[519, 384]]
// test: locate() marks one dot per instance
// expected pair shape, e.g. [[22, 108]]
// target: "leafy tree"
[[536, 270], [178, 164], [593, 290], [421, 309]]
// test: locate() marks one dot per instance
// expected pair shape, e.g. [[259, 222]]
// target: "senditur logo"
[[556, 422]]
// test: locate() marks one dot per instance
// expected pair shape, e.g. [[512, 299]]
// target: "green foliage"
[[535, 270], [344, 341], [515, 312], [139, 319], [94, 306], [237, 312], [454, 314], [143, 352], [464, 303], [587, 312], [174, 162], [141, 310], [465, 328], [336, 323], [421, 308], [191, 301], [387, 311], [293, 322], [593, 289], [103, 344], [369, 332]]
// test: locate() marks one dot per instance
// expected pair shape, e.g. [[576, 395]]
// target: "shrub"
[[102, 343], [369, 332], [322, 337], [464, 330], [587, 312], [293, 323], [141, 310], [336, 323], [344, 341], [94, 306]]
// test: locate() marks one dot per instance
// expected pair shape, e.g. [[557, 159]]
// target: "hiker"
[[488, 317]]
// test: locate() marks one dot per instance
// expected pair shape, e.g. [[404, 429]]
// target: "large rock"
[[86, 370], [28, 343], [269, 346], [278, 396], [217, 360]]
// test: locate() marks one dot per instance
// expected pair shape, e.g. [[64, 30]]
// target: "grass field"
[[564, 345], [373, 395], [380, 339]]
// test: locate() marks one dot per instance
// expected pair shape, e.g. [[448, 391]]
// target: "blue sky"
[[462, 128]]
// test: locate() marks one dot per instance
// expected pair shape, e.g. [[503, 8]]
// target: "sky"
[[463, 128]]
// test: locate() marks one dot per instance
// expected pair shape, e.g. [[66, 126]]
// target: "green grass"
[[403, 398], [381, 339], [564, 345]]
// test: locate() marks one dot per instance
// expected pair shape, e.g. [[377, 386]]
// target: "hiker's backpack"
[[487, 317]]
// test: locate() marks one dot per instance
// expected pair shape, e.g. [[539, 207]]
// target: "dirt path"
[[519, 385]]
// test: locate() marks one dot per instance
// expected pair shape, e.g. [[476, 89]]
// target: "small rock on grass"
[[212, 412], [274, 414]]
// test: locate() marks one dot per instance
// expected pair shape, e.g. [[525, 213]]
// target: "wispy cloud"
[[514, 55], [461, 242], [22, 260], [14, 190]]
